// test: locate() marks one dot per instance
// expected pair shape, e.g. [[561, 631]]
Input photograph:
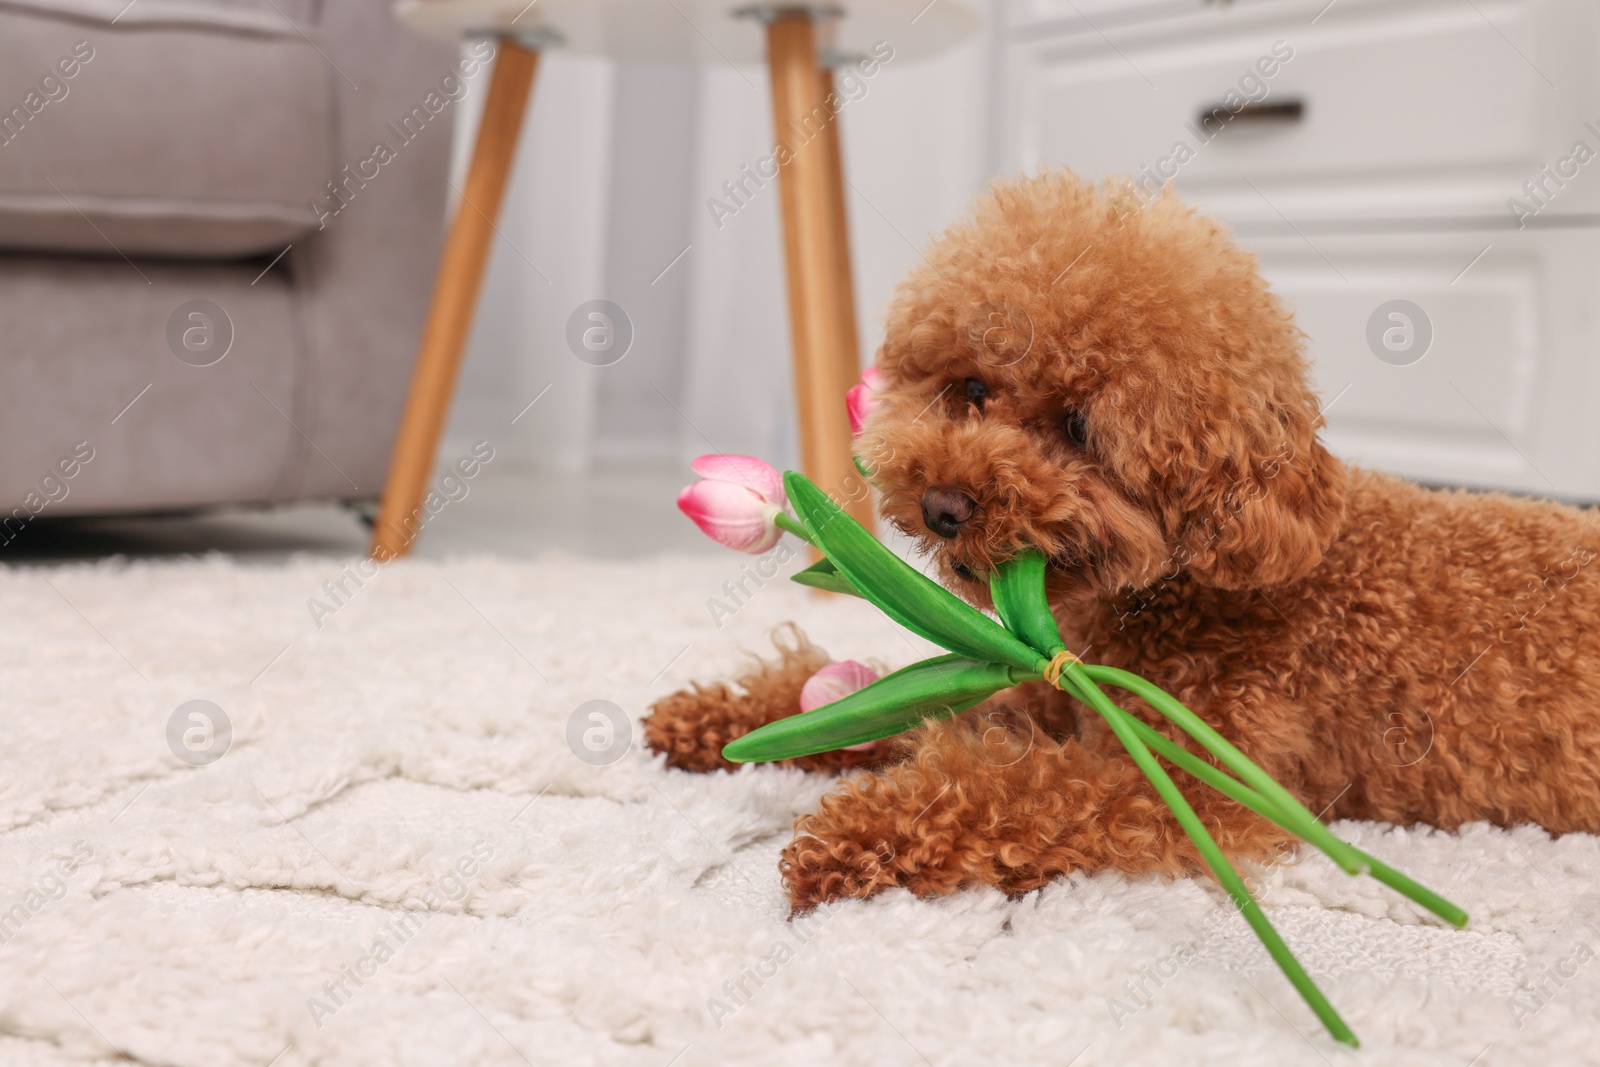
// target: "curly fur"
[[692, 726], [1391, 652]]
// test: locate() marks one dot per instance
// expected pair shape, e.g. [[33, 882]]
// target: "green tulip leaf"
[[1017, 586], [824, 575], [902, 592], [932, 689]]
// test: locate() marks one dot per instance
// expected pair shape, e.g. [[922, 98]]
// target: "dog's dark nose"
[[946, 510]]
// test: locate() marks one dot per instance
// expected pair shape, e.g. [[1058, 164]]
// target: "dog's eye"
[[1076, 426], [977, 392]]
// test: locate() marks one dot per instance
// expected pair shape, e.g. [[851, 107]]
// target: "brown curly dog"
[[1111, 380]]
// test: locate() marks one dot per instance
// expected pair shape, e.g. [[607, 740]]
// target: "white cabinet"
[[1370, 151]]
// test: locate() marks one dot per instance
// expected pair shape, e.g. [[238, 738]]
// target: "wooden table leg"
[[849, 350], [815, 250], [455, 299]]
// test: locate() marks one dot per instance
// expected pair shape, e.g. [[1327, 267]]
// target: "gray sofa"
[[159, 348]]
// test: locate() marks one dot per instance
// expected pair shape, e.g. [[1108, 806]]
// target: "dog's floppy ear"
[[1263, 499]]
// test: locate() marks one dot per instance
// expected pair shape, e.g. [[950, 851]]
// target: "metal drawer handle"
[[1216, 117]]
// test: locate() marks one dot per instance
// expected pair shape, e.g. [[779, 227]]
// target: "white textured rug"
[[401, 861]]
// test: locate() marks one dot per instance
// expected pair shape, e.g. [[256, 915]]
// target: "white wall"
[[612, 183], [549, 257]]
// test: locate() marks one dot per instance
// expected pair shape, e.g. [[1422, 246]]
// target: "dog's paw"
[[875, 832], [690, 727], [816, 871]]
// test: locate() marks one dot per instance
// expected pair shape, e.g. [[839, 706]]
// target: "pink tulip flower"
[[862, 399], [736, 503], [835, 682]]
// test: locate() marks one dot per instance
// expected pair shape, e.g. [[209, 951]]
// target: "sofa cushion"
[[185, 128], [169, 425]]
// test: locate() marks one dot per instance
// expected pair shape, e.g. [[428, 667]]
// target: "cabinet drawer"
[[1483, 380], [1415, 110], [1090, 16]]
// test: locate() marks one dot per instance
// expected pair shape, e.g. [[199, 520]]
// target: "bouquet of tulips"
[[741, 503]]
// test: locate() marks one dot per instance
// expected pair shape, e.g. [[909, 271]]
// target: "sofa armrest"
[[366, 271]]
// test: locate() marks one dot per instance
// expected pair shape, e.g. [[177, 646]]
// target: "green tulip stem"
[[784, 521], [1297, 819], [1121, 725], [1229, 786]]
